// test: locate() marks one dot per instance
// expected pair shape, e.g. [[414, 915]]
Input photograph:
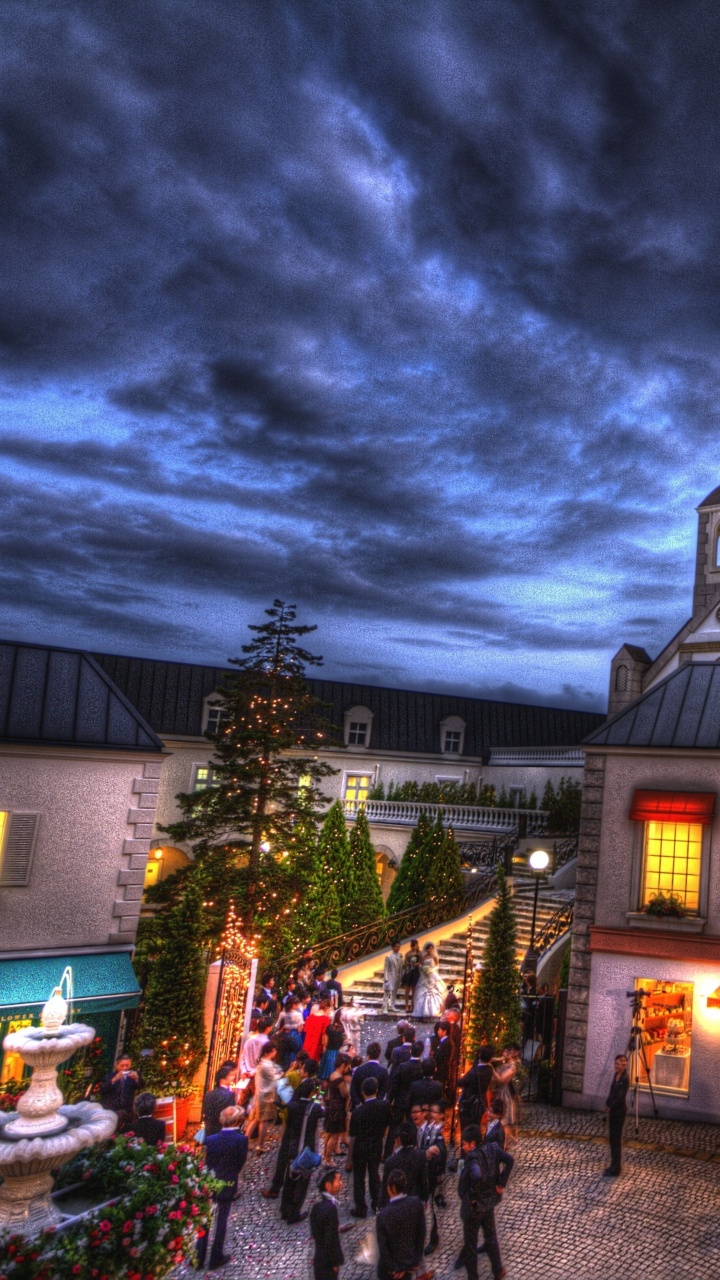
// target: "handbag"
[[199, 1135], [283, 1091], [307, 1160]]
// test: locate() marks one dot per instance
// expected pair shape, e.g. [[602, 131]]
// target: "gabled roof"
[[61, 697], [712, 500], [682, 711], [170, 695], [636, 652]]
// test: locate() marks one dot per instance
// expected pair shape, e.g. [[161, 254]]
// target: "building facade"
[[79, 778], [646, 933]]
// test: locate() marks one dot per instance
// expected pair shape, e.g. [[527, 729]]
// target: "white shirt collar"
[[400, 1196], [329, 1197]]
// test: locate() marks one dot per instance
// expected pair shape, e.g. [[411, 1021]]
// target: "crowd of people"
[[382, 1120]]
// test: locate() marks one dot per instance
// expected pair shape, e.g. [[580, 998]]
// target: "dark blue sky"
[[406, 312]]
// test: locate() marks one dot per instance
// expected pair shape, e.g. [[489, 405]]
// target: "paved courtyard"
[[560, 1219]]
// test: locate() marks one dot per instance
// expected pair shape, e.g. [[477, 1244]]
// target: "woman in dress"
[[336, 1104], [315, 1028], [290, 1025], [267, 1074], [351, 1019], [333, 1040], [430, 991], [507, 1091]]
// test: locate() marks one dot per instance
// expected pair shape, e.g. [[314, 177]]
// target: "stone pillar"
[[583, 917], [131, 877]]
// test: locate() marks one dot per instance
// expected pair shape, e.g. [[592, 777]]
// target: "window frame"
[[357, 773], [637, 879], [358, 714], [454, 725], [202, 764], [10, 814]]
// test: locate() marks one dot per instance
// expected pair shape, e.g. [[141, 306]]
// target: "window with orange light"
[[357, 787], [673, 855]]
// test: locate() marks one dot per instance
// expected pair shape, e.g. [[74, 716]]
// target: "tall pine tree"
[[265, 770], [366, 902], [172, 1022], [445, 875], [401, 894], [494, 1007]]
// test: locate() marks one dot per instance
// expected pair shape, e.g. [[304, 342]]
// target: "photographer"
[[118, 1089], [616, 1110]]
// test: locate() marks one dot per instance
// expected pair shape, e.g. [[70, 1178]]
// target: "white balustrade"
[[464, 817]]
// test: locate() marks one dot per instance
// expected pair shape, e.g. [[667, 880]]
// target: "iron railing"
[[483, 854], [330, 953], [558, 923], [564, 851]]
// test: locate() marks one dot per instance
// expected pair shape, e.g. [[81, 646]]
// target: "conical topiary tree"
[[494, 1006], [445, 873], [321, 911], [402, 892], [366, 900], [173, 1024], [335, 856]]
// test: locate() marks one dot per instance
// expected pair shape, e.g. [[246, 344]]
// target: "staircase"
[[451, 950]]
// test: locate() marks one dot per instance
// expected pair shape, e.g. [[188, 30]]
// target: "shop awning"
[[673, 806], [102, 983]]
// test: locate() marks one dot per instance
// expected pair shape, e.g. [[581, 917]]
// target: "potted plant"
[[661, 904]]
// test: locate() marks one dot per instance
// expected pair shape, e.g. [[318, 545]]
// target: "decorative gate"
[[233, 1001]]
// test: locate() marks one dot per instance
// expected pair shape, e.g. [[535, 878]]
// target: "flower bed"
[[165, 1202]]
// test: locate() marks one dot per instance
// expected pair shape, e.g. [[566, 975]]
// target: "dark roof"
[[61, 697], [636, 652], [712, 500], [170, 695], [683, 710]]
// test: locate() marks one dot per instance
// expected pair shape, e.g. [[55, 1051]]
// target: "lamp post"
[[538, 861]]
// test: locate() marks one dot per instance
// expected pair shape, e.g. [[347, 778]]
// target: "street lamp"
[[539, 862]]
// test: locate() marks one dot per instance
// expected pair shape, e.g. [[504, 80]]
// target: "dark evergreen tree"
[[172, 1021], [445, 878], [494, 1006], [403, 893], [265, 770], [321, 909], [335, 854], [366, 902]]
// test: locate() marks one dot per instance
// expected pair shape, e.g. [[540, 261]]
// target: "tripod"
[[637, 1058]]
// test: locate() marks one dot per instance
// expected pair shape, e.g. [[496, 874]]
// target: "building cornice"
[[42, 750], [655, 944]]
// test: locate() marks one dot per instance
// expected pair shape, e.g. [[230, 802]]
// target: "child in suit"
[[225, 1156]]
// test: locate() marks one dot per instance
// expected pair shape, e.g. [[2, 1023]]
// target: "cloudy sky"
[[405, 311]]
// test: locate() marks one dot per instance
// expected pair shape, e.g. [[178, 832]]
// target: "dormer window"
[[212, 713], [452, 736], [358, 726]]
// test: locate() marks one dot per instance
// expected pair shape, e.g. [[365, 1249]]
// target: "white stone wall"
[[96, 821], [609, 1029]]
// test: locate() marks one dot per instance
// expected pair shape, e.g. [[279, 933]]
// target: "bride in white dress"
[[430, 991]]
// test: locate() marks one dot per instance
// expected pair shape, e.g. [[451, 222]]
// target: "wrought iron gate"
[[233, 1003]]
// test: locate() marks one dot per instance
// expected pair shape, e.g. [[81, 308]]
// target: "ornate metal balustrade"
[[558, 923], [564, 851], [379, 934], [481, 855], [463, 817]]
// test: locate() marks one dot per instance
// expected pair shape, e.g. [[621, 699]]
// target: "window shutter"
[[18, 851]]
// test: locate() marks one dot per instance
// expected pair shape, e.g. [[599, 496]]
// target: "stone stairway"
[[451, 950]]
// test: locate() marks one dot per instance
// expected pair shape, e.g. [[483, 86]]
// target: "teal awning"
[[101, 983]]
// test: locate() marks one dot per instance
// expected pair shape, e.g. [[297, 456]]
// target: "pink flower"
[[105, 1225], [77, 1269], [174, 1178], [127, 1226]]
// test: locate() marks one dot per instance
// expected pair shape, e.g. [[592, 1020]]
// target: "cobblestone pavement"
[[559, 1219]]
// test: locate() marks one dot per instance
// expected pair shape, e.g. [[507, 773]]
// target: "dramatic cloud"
[[408, 313]]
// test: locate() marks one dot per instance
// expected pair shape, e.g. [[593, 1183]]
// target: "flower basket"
[[661, 904]]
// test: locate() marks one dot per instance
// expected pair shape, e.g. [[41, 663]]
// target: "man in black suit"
[[368, 1126], [443, 1058], [474, 1085], [396, 1040], [433, 1146], [294, 1188], [143, 1125], [400, 1232], [225, 1156], [413, 1163], [325, 1228], [495, 1131], [480, 1186], [616, 1110], [333, 988], [402, 1051], [291, 1134], [373, 1067], [222, 1096], [401, 1079], [427, 1089]]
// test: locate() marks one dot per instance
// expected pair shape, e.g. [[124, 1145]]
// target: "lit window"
[[672, 861], [204, 777], [453, 738], [357, 733], [357, 788], [304, 785], [665, 1020], [12, 1064]]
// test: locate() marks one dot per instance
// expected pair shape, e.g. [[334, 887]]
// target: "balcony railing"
[[572, 757], [462, 817]]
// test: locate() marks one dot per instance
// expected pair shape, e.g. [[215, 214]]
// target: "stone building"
[[649, 843], [79, 776], [386, 737]]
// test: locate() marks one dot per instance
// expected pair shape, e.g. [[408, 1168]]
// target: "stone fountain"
[[43, 1133]]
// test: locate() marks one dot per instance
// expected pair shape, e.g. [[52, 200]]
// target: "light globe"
[[539, 860]]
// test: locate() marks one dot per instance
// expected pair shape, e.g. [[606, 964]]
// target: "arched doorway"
[[386, 868]]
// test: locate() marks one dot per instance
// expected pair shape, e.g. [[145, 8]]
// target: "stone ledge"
[[146, 784], [132, 877]]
